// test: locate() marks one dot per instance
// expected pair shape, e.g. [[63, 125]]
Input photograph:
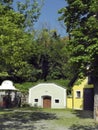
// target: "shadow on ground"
[[23, 120], [83, 127], [83, 114]]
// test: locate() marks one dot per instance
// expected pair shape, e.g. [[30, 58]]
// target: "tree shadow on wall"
[[23, 120]]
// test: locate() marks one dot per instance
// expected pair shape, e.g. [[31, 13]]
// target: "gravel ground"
[[27, 120], [39, 120]]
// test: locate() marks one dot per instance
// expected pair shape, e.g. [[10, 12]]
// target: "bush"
[[26, 105]]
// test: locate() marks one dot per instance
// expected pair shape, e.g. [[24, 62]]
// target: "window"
[[56, 100], [78, 94], [36, 100]]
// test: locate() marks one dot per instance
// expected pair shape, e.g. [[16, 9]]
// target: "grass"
[[24, 87], [68, 117], [71, 120], [75, 120]]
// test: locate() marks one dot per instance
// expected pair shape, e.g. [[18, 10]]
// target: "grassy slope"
[[24, 87]]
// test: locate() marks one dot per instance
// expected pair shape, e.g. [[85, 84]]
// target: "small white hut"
[[47, 95], [7, 93]]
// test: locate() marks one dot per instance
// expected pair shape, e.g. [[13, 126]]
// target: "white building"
[[7, 93], [47, 95]]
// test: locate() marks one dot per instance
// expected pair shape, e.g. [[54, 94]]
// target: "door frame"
[[48, 97]]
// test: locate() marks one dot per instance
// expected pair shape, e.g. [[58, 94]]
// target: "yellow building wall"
[[77, 102], [69, 102]]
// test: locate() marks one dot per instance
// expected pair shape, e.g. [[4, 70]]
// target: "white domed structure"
[[8, 95], [7, 85]]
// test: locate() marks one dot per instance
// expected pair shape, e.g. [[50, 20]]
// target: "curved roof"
[[7, 85]]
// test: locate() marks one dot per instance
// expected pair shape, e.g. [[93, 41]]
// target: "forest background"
[[29, 56]]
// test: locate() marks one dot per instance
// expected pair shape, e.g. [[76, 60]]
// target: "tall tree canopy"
[[31, 11], [50, 55], [81, 20], [25, 56], [29, 8], [15, 42]]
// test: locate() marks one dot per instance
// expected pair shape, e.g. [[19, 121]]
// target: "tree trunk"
[[95, 99]]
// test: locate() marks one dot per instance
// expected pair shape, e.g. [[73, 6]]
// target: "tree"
[[41, 62], [81, 20], [15, 44], [31, 11], [58, 58], [16, 39], [49, 57]]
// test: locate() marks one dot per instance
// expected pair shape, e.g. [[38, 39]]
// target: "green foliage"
[[81, 20], [24, 87], [61, 82], [79, 81], [31, 11], [26, 105], [49, 56], [15, 45], [25, 56]]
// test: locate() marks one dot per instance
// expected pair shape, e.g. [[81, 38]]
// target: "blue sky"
[[49, 16]]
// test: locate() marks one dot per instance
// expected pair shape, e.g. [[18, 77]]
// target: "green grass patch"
[[76, 120], [69, 117]]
